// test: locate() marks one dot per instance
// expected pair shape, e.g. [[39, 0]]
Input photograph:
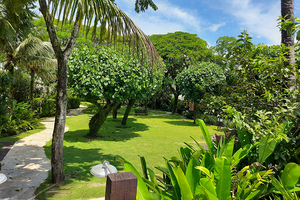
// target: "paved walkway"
[[26, 165]]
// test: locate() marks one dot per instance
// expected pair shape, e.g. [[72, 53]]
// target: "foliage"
[[98, 74], [214, 177], [292, 25], [178, 50], [73, 102], [5, 81], [22, 119], [44, 107], [199, 79]]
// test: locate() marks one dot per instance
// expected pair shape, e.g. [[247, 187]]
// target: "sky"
[[211, 19]]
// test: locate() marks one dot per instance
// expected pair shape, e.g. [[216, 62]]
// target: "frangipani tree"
[[200, 78], [102, 14]]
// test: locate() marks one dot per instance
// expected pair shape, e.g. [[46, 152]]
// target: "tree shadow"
[[109, 132], [77, 164], [181, 123]]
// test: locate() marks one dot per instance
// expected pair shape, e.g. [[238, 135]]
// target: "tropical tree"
[[109, 17], [200, 78], [107, 78], [35, 55], [178, 50], [287, 37]]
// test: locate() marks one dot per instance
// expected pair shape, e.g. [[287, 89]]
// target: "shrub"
[[44, 108], [73, 102]]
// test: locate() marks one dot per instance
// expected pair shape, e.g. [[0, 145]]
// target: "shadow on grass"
[[181, 123], [77, 163], [109, 132]]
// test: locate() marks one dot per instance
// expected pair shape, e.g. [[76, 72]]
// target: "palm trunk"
[[99, 118], [287, 8], [31, 85], [57, 164], [129, 106]]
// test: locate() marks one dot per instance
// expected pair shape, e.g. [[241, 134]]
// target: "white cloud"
[[215, 27], [168, 18], [256, 20]]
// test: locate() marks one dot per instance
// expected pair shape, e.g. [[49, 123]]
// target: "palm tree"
[[287, 11], [36, 56], [103, 14]]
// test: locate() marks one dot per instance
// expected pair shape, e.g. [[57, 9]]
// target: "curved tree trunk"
[[99, 118], [115, 111], [287, 8], [129, 106]]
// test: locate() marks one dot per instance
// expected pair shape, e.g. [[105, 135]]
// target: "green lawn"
[[152, 137]]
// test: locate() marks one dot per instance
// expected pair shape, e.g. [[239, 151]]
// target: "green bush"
[[44, 108], [73, 102]]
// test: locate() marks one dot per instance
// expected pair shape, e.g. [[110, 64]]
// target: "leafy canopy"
[[108, 74], [200, 78]]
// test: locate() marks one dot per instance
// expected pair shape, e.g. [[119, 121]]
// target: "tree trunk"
[[115, 111], [146, 107], [129, 106], [287, 8], [196, 110], [153, 103], [57, 164], [31, 85], [175, 103], [99, 118]]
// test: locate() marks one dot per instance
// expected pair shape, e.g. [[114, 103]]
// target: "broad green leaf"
[[227, 150], [244, 137], [209, 188], [144, 167], [185, 190], [176, 188], [266, 148], [206, 135], [193, 175], [142, 190], [206, 171], [240, 154], [208, 160], [222, 175], [290, 175]]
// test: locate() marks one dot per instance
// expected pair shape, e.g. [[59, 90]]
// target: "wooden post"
[[121, 186]]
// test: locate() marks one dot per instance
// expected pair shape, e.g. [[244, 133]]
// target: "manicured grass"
[[15, 138], [153, 137], [92, 109]]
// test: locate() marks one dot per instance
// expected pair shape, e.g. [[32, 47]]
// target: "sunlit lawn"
[[152, 137]]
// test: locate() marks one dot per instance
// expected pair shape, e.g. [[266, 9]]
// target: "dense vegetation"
[[255, 87]]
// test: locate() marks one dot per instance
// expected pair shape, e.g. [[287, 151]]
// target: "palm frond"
[[111, 21]]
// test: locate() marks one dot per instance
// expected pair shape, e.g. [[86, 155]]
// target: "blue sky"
[[211, 19]]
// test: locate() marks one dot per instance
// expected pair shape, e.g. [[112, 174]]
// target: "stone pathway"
[[26, 165]]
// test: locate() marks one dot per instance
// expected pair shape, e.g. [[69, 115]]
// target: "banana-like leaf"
[[199, 145], [142, 190], [227, 150], [208, 161], [193, 175], [176, 188], [290, 175], [206, 135], [266, 148], [222, 173], [206, 172], [185, 190], [244, 136], [241, 153], [283, 191], [144, 167], [209, 189]]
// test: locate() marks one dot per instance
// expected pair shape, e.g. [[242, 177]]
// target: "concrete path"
[[26, 165]]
